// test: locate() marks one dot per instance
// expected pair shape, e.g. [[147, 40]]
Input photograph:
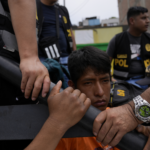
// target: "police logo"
[[121, 93], [65, 19], [147, 46], [69, 33]]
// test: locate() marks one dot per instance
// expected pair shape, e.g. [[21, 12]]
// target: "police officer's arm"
[[117, 122], [34, 73], [111, 48], [66, 109], [73, 40]]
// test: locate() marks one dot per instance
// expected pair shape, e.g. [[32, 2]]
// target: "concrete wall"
[[114, 21], [99, 35], [104, 35], [124, 5]]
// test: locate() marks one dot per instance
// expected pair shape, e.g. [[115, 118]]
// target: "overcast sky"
[[80, 9]]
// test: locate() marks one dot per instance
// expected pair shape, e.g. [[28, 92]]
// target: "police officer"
[[131, 49], [18, 32]]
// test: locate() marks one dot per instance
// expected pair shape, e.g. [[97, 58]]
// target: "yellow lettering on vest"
[[65, 19], [69, 33], [121, 62], [116, 61], [122, 56], [125, 65], [121, 93]]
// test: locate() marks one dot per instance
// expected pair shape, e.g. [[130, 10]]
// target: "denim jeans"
[[134, 79], [64, 61]]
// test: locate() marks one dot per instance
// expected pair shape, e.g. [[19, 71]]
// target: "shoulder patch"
[[147, 46], [65, 19]]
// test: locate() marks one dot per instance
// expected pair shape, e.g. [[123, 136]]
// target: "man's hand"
[[68, 107], [34, 76], [146, 131], [112, 124]]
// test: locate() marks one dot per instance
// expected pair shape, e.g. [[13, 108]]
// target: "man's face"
[[96, 87], [141, 22]]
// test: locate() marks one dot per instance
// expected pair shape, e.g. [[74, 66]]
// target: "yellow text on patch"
[[121, 63]]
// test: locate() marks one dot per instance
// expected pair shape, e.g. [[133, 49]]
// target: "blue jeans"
[[64, 61], [134, 79]]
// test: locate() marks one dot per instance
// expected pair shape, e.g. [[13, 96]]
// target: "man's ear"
[[131, 20], [70, 83]]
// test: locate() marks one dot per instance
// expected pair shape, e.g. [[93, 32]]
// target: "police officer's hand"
[[146, 131], [112, 124], [68, 107], [35, 77]]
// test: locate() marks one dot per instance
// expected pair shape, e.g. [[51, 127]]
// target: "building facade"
[[110, 22], [92, 21], [124, 5]]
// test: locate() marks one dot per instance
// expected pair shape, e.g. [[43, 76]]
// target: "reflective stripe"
[[47, 52], [37, 16], [9, 40], [3, 12], [71, 44], [121, 73], [52, 51], [37, 35], [56, 50]]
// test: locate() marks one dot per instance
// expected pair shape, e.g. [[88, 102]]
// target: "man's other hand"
[[146, 131], [112, 124], [68, 107], [34, 76]]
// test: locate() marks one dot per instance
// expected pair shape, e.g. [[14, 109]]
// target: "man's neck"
[[134, 32], [47, 2]]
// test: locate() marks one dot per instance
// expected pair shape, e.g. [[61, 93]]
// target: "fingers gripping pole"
[[133, 140]]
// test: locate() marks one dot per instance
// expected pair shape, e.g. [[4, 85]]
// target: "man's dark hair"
[[135, 11], [88, 57]]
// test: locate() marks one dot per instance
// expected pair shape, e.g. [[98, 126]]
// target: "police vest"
[[66, 25], [7, 33], [122, 57], [64, 13], [6, 29]]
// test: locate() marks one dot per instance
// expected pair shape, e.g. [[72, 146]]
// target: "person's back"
[[56, 39], [89, 68]]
